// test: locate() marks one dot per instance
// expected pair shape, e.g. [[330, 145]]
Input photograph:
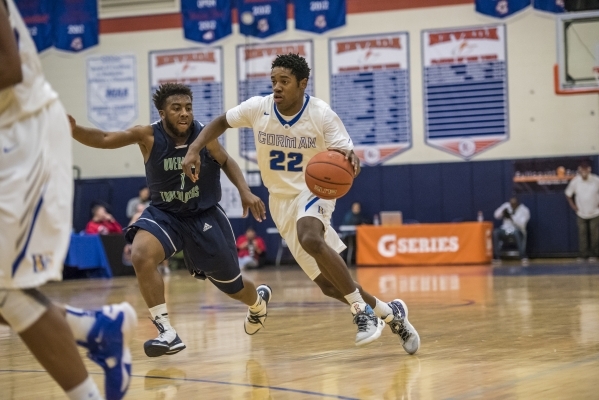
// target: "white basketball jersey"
[[34, 92], [284, 145]]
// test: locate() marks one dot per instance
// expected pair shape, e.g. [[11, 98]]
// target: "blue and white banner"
[[75, 24], [112, 91], [553, 6], [37, 15], [200, 69], [500, 8], [465, 89], [262, 18], [206, 21], [253, 78], [370, 91], [319, 16]]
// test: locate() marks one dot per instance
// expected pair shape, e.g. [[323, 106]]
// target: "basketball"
[[329, 175]]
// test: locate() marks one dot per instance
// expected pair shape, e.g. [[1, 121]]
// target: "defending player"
[[36, 198], [289, 128], [183, 214]]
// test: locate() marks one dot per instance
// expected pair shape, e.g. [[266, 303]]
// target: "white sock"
[[161, 311], [80, 321], [353, 298], [382, 310], [258, 306], [86, 390]]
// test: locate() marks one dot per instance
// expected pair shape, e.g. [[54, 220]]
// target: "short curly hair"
[[295, 63], [166, 90]]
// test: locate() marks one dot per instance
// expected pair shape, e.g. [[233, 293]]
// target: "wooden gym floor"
[[492, 333]]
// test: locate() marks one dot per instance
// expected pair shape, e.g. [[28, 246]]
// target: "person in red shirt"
[[102, 222], [250, 248]]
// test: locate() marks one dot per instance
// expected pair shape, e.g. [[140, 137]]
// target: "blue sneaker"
[[108, 345], [399, 324], [370, 326], [254, 322]]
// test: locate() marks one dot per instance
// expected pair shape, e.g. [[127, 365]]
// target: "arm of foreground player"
[[99, 139], [231, 168], [10, 68], [192, 161]]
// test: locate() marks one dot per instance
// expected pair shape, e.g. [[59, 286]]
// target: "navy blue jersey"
[[170, 189]]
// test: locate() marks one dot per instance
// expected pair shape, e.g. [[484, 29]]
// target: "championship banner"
[[319, 16], [545, 175], [206, 21], [37, 15], [253, 78], [425, 244], [500, 8], [112, 91], [465, 89], [200, 69], [370, 91], [553, 6], [75, 24], [262, 18]]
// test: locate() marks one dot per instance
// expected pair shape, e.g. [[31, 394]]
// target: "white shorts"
[[36, 197], [286, 211]]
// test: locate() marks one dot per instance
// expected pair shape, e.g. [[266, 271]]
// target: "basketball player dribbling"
[[36, 198], [290, 127], [183, 214]]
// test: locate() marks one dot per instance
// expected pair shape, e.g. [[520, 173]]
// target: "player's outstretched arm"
[[10, 67], [191, 163], [231, 168], [99, 139]]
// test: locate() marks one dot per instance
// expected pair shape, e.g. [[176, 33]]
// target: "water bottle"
[[480, 217], [375, 220]]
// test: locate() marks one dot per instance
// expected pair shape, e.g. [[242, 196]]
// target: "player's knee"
[[142, 259], [232, 289], [21, 309], [311, 242]]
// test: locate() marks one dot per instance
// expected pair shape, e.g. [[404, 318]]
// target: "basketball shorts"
[[286, 211], [36, 197], [207, 241]]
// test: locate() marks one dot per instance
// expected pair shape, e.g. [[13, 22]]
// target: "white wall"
[[541, 123]]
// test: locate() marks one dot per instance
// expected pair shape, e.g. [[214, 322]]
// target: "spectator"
[[515, 216], [583, 196], [143, 198], [354, 215], [250, 250], [102, 222]]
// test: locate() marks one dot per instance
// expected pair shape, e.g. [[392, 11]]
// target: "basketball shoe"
[[255, 321], [167, 342], [370, 326], [108, 346], [399, 324]]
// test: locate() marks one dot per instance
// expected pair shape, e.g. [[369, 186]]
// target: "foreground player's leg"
[[146, 254]]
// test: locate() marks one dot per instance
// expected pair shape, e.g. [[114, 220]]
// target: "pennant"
[[553, 6], [206, 21], [500, 8], [319, 16], [262, 18], [37, 15], [75, 24]]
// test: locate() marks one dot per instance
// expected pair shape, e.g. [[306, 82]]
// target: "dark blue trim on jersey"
[[38, 207], [314, 200], [296, 118]]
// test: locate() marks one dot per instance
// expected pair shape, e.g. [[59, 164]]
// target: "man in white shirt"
[[515, 216], [290, 127], [583, 196]]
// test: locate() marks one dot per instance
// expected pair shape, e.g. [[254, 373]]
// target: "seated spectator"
[[143, 198], [515, 216], [354, 215], [251, 250], [102, 222]]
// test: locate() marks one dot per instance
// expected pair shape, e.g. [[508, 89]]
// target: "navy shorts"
[[207, 241]]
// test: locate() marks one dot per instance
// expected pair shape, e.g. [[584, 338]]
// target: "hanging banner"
[[545, 175], [370, 91], [200, 69], [253, 78], [75, 24], [465, 89], [553, 6], [500, 8], [319, 16], [262, 18], [37, 15], [112, 91], [206, 21]]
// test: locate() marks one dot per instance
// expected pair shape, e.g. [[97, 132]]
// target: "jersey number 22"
[[279, 161]]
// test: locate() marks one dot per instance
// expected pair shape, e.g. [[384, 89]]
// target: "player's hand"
[[355, 161], [72, 122], [191, 165], [254, 204]]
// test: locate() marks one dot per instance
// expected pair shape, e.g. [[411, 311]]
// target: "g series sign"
[[390, 245]]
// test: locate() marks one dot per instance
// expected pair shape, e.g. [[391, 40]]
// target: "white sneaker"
[[255, 321], [592, 260], [167, 342], [525, 262], [370, 326], [399, 324]]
